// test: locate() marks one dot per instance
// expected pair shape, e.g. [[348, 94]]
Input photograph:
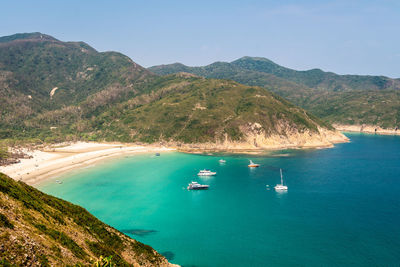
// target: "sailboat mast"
[[281, 177]]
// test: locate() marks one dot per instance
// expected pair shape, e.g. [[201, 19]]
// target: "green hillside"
[[223, 70], [177, 108], [197, 110], [317, 78], [357, 107], [262, 70], [347, 99], [40, 230], [106, 96], [40, 73]]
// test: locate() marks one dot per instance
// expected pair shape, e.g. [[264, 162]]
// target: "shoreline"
[[60, 158], [245, 151], [54, 161], [368, 129]]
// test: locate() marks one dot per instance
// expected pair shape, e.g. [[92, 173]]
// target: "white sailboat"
[[281, 187]]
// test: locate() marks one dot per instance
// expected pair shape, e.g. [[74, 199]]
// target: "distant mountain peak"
[[37, 36], [257, 60], [253, 58]]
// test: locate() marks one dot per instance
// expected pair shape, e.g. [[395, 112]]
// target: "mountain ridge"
[[69, 90], [38, 75], [305, 77], [340, 99], [265, 65], [27, 36]]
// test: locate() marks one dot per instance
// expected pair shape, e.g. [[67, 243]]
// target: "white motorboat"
[[197, 186], [206, 173]]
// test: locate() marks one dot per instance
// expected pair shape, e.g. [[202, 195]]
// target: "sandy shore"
[[372, 129], [53, 161]]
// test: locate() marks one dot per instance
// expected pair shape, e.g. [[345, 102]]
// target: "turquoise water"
[[342, 206]]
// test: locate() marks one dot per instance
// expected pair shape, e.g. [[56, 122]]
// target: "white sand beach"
[[54, 160]]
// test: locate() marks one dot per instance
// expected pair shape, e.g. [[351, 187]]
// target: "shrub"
[[4, 222]]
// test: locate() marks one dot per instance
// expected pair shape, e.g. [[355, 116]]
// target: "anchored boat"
[[197, 186], [206, 173], [281, 187], [253, 165]]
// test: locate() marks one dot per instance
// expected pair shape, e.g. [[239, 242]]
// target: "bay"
[[342, 206]]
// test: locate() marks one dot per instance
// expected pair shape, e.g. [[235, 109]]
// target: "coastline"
[[369, 129], [257, 143], [60, 158], [55, 160]]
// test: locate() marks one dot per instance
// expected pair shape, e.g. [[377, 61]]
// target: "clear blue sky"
[[355, 37]]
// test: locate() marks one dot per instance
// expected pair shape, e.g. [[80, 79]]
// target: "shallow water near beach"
[[342, 206]]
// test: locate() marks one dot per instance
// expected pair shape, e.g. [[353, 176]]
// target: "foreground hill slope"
[[40, 230], [345, 99]]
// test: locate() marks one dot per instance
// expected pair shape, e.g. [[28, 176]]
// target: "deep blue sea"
[[342, 207]]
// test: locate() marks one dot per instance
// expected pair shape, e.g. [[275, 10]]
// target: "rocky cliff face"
[[253, 142]]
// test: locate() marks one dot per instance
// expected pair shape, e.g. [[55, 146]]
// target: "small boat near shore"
[[253, 165], [281, 187], [222, 161], [197, 186], [206, 173]]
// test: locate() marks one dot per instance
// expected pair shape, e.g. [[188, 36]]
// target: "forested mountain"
[[258, 67], [191, 110], [347, 99], [317, 78], [54, 90], [40, 73]]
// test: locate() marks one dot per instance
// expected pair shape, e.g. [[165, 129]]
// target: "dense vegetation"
[[317, 78], [198, 110], [264, 69], [39, 73], [348, 99], [56, 91], [38, 229], [175, 108]]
